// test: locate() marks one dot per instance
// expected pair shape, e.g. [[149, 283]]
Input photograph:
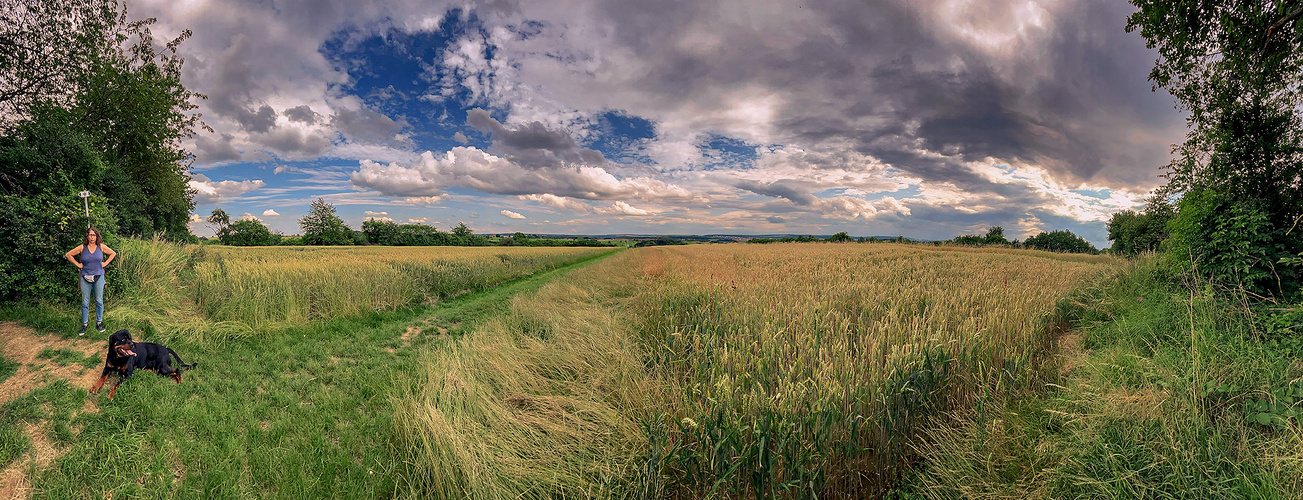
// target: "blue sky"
[[924, 118]]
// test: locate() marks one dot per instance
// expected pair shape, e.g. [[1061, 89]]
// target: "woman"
[[92, 253]]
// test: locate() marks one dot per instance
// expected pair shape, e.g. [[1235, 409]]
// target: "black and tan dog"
[[127, 356]]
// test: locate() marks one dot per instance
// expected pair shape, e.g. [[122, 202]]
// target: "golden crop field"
[[784, 370], [269, 285], [241, 290]]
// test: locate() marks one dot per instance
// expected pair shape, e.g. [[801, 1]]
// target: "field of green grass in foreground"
[[305, 413]]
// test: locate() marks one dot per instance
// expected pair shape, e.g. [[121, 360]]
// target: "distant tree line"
[[321, 226], [1052, 241]]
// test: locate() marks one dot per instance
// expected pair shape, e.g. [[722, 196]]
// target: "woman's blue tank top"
[[92, 263]]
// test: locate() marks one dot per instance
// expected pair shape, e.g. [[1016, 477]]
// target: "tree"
[[995, 236], [1059, 241], [44, 44], [132, 104], [220, 219], [83, 62], [841, 237], [322, 227], [1236, 68], [380, 232], [248, 232], [1134, 232]]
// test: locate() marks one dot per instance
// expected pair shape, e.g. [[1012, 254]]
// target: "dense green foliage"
[[322, 227], [89, 104], [524, 240], [1133, 233], [663, 240], [1059, 241], [247, 232], [1236, 67]]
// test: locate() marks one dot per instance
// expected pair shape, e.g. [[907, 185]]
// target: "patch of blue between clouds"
[[399, 75], [908, 192], [620, 137], [1102, 194], [727, 153]]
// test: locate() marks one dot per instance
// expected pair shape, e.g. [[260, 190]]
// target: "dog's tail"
[[182, 363]]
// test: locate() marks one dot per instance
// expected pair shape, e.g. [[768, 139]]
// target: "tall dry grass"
[[210, 293], [776, 371], [266, 287], [540, 403]]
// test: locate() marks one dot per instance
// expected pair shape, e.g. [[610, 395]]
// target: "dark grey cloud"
[[215, 150], [533, 145], [779, 189], [899, 80], [775, 219], [288, 140], [367, 125], [230, 92], [302, 114]]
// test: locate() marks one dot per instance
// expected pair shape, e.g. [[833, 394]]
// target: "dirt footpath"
[[21, 344]]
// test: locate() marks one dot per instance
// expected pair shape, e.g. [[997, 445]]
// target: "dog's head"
[[121, 343]]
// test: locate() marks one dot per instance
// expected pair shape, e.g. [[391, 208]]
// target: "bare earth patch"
[[21, 344], [1072, 352]]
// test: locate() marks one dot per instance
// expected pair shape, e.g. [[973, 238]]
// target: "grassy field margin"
[[302, 413], [1157, 396]]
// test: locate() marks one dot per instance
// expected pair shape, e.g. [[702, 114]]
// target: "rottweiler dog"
[[126, 356]]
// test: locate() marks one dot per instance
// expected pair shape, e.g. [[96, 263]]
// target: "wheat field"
[[784, 370], [216, 291]]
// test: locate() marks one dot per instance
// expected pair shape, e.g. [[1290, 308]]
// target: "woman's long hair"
[[85, 239]]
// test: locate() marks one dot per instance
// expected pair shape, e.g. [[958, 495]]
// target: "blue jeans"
[[98, 285]]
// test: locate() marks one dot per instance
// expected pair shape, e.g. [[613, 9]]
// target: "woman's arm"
[[109, 254], [69, 256]]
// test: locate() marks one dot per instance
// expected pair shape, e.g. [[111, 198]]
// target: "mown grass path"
[[306, 413]]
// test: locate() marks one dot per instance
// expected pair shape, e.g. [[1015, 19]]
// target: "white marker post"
[[85, 201]]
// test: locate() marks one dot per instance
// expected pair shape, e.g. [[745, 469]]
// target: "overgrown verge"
[[1168, 388]]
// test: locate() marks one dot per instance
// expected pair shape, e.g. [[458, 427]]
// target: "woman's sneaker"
[[83, 329], [99, 325]]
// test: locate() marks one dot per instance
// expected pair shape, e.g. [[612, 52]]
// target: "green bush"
[[1233, 242], [37, 232], [248, 232], [1059, 241]]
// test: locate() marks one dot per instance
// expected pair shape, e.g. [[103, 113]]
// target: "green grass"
[[1151, 405], [307, 413], [8, 368], [65, 357]]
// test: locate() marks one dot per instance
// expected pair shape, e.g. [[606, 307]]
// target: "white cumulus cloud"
[[472, 168], [621, 208], [270, 213], [209, 191], [511, 215]]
